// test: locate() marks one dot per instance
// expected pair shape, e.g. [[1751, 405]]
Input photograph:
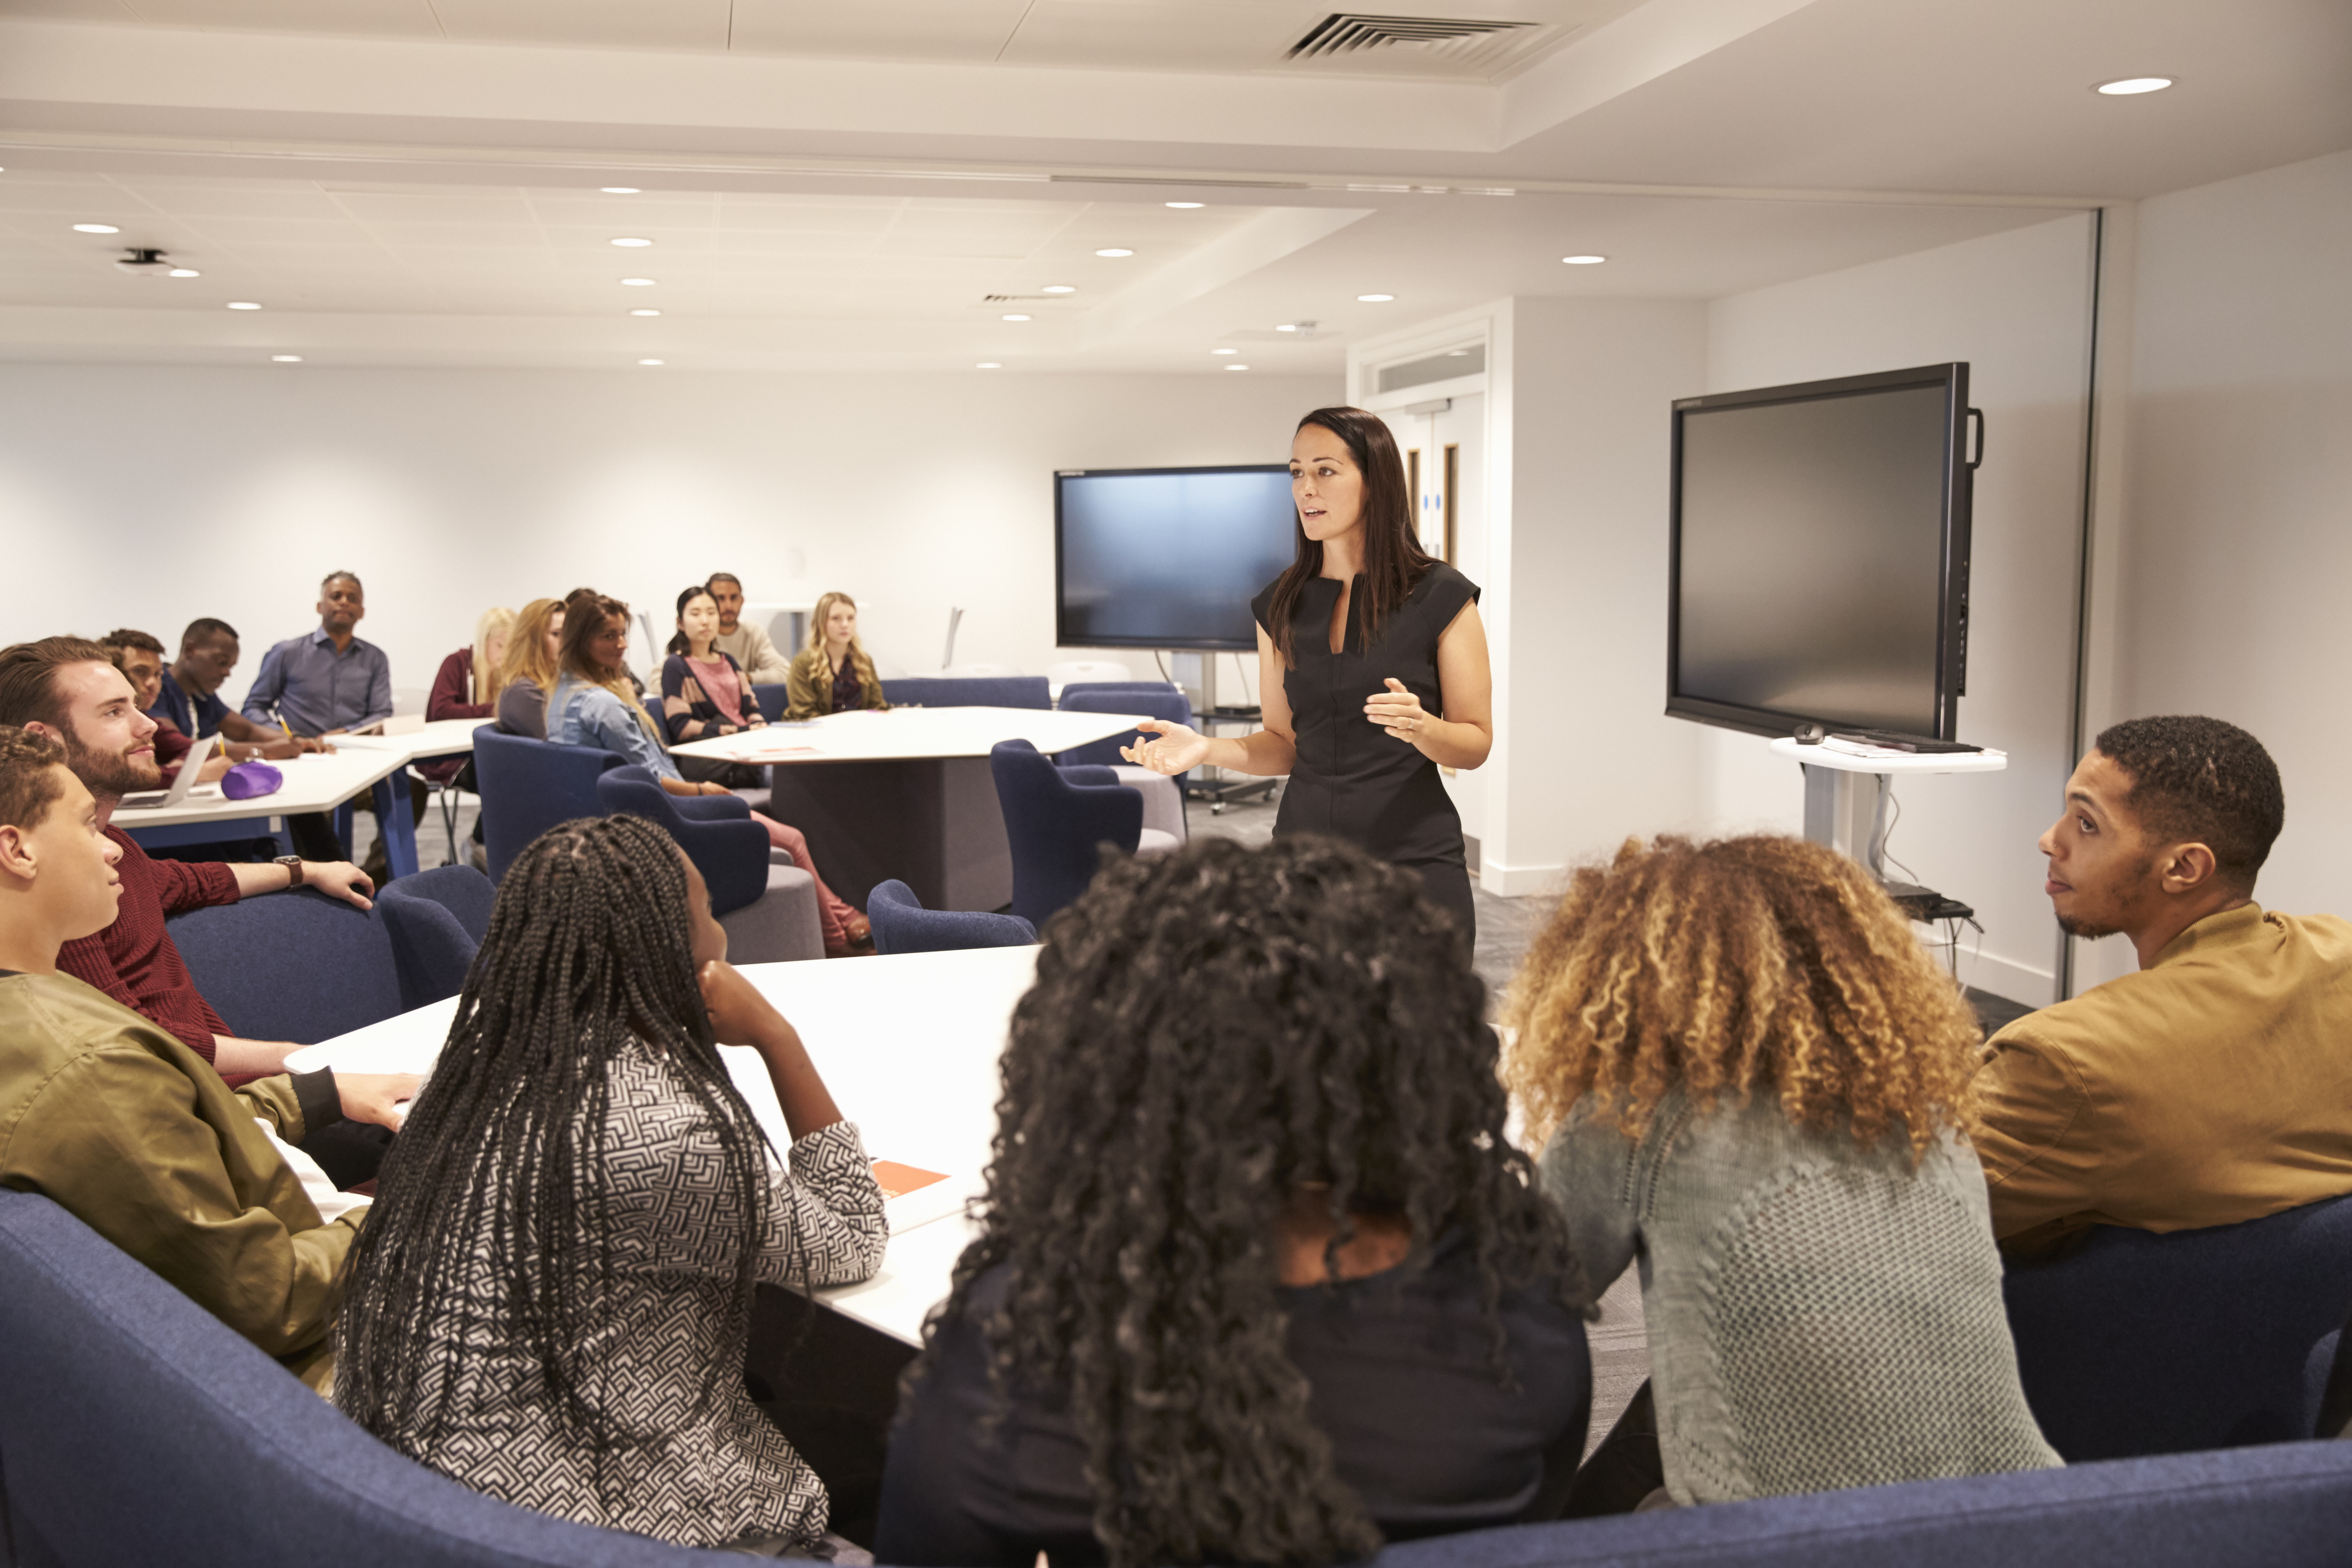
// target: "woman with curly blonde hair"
[[1745, 1070]]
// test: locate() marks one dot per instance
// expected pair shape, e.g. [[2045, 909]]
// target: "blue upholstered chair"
[[767, 903], [2146, 1344], [437, 920], [773, 697], [901, 924], [1056, 820], [528, 786], [1163, 794], [295, 966], [969, 691]]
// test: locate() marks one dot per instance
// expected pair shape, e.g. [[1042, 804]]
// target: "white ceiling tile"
[[595, 24], [243, 231], [445, 206], [1161, 35], [200, 202], [972, 30], [409, 18]]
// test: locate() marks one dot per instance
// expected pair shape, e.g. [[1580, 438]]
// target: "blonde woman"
[[1744, 1070], [832, 673], [528, 672], [468, 687]]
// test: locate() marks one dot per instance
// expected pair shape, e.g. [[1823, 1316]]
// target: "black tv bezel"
[[1062, 637], [1958, 502]]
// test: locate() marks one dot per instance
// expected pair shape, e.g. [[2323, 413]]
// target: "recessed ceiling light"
[[1014, 316], [1237, 367], [1287, 327], [650, 362], [633, 244], [988, 364], [286, 359], [637, 282], [183, 272], [1107, 250], [1374, 298], [244, 305], [647, 310], [2135, 84], [618, 190], [1584, 261], [1457, 353], [1186, 206], [96, 228], [1224, 350], [1059, 289]]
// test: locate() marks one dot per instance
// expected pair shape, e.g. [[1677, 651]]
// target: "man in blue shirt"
[[325, 683], [191, 696]]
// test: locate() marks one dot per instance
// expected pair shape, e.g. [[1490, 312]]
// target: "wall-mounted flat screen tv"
[[1820, 557], [1167, 557]]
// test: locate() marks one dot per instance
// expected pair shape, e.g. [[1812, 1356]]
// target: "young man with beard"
[[68, 689], [2214, 1085]]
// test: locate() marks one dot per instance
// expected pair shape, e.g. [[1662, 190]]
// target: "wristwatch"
[[293, 864]]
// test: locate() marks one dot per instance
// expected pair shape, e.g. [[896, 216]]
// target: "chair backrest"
[[996, 691], [773, 697], [901, 924], [437, 920], [295, 966], [1161, 702], [1057, 826], [730, 852], [140, 1429], [2146, 1344], [1060, 675], [528, 787]]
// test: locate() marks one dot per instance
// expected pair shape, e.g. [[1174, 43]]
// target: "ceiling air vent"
[[1446, 44]]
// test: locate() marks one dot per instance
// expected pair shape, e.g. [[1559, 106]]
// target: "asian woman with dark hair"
[[1383, 664]]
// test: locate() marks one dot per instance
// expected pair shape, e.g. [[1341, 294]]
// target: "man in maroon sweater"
[[69, 689]]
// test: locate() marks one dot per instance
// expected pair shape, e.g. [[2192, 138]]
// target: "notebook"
[[184, 786]]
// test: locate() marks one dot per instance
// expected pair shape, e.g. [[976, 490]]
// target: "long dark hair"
[[1393, 558], [679, 643], [1209, 1031], [588, 959]]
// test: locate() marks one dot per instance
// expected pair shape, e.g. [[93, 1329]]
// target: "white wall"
[[2016, 307], [148, 497], [2238, 551]]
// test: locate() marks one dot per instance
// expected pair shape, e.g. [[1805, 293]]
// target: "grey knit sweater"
[[1820, 1315]]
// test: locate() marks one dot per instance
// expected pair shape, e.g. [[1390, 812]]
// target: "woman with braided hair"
[[1751, 1074], [1260, 1279], [551, 1300]]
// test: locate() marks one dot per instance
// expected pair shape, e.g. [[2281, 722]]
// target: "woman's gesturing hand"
[[1398, 711], [1166, 747]]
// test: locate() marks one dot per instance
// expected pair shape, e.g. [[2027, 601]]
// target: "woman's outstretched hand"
[[1166, 747]]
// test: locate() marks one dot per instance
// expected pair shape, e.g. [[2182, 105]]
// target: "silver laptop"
[[184, 784]]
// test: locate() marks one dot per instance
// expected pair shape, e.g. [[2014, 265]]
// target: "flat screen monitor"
[[1167, 557], [1820, 557]]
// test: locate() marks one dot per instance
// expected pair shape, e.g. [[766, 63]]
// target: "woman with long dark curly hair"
[[1260, 1278], [1747, 1071], [550, 1300], [1382, 665]]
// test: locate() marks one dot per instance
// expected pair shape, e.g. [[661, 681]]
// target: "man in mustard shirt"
[[2213, 1086], [125, 1127]]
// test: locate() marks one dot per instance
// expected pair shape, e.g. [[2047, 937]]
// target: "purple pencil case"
[[246, 780]]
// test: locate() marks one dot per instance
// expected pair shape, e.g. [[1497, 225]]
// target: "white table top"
[[907, 1045], [1874, 760], [437, 738], [904, 733], [315, 781]]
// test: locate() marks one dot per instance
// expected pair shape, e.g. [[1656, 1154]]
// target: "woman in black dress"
[[1384, 669]]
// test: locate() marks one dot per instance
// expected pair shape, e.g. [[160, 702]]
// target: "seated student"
[[68, 690], [527, 673], [126, 1128], [1260, 1278], [746, 642], [190, 699], [2214, 1085], [704, 694], [467, 686], [552, 1301], [591, 705], [327, 683], [1745, 1071], [832, 674], [140, 657]]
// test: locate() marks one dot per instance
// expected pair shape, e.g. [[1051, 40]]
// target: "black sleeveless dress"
[[1351, 780]]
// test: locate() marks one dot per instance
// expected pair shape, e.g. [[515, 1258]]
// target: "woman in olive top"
[[1383, 662], [832, 674]]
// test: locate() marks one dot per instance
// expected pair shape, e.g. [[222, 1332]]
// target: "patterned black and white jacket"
[[695, 1479]]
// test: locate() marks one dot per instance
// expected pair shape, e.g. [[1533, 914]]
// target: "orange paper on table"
[[896, 1181]]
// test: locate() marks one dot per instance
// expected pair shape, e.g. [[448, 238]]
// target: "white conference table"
[[905, 792], [315, 782], [909, 1045]]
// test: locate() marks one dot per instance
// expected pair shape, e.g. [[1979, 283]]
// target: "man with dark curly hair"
[[2213, 1086]]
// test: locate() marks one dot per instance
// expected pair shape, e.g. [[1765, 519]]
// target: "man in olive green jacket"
[[125, 1127]]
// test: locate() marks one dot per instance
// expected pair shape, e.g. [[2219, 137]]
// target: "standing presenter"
[[1383, 662]]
